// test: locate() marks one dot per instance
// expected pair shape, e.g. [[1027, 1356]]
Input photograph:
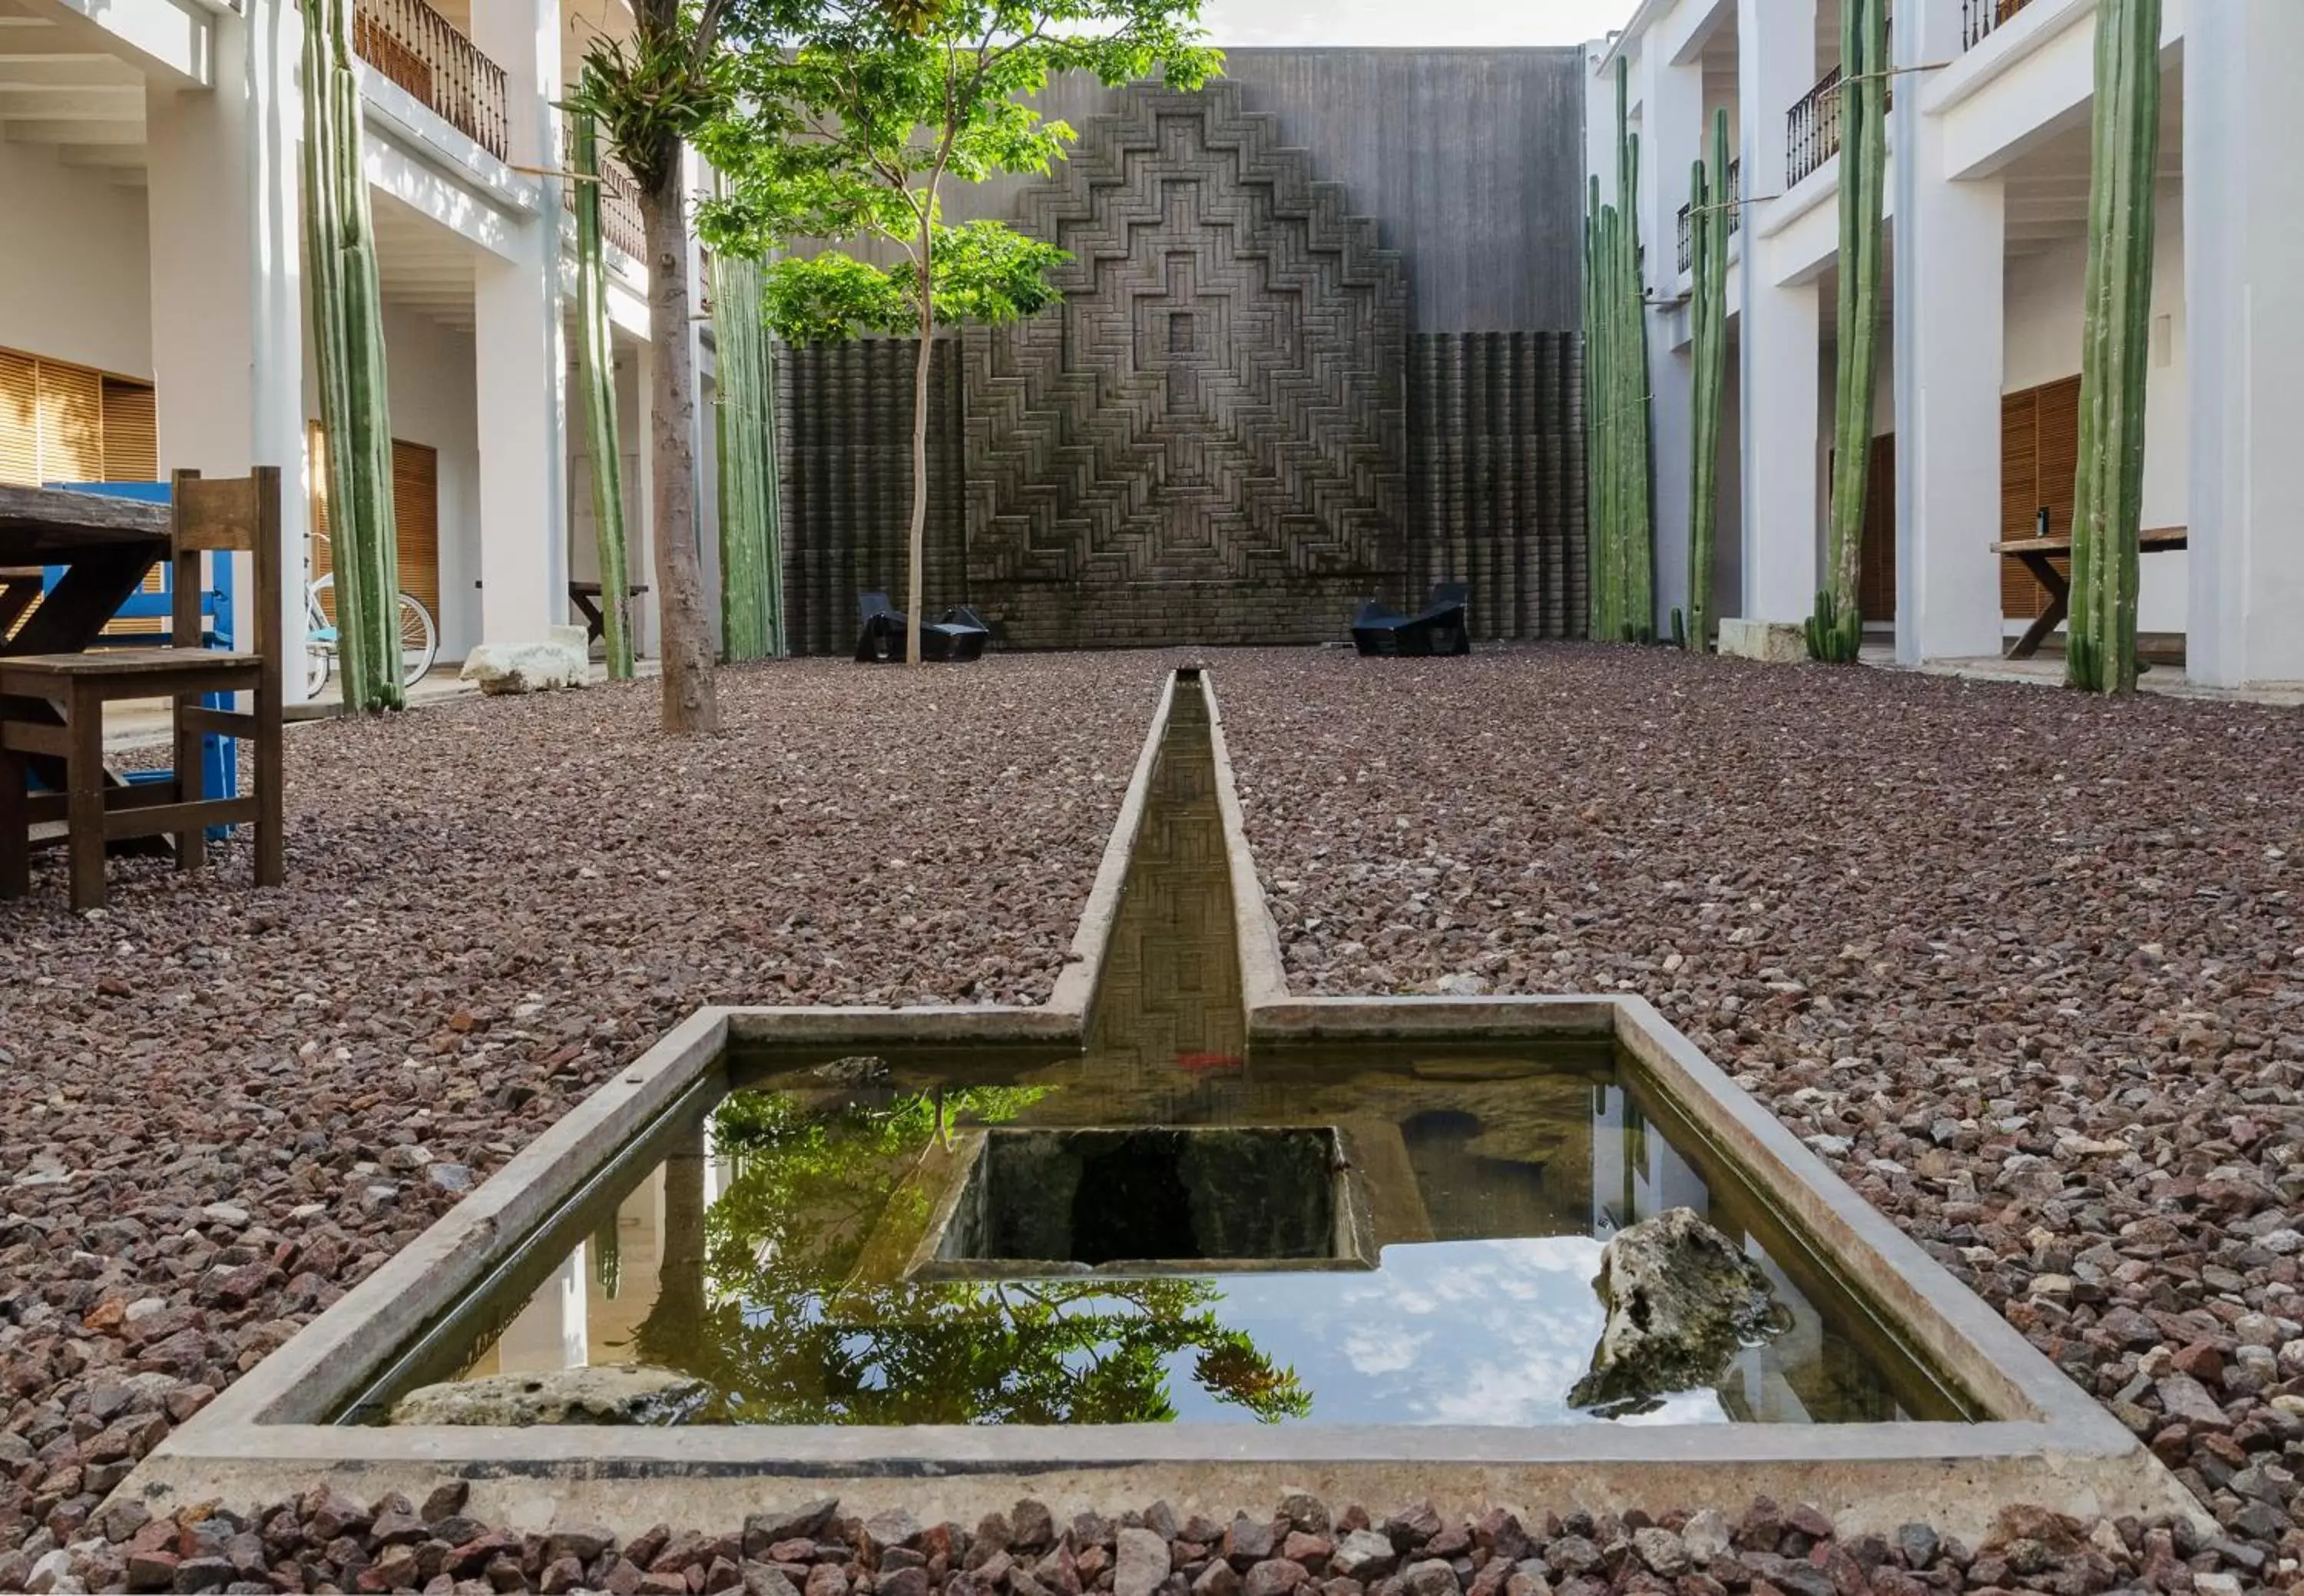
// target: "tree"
[[650, 96], [852, 114]]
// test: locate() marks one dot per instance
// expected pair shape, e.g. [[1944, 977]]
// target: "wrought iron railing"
[[425, 53], [1735, 215], [619, 199], [1978, 18], [1812, 129]]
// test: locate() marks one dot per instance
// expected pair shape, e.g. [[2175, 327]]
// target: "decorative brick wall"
[[1227, 431], [1207, 441], [1497, 476], [845, 427]]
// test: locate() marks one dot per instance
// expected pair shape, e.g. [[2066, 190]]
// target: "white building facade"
[[152, 311], [1976, 416]]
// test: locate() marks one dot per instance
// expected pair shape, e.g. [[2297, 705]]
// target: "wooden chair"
[[223, 517]]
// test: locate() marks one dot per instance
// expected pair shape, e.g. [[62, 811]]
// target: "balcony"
[[619, 199], [422, 52], [1978, 18], [1812, 129], [1735, 215]]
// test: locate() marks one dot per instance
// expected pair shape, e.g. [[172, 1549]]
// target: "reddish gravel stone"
[[2025, 966], [239, 1103]]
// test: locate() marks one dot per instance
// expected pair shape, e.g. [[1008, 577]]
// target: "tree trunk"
[[690, 702], [914, 593]]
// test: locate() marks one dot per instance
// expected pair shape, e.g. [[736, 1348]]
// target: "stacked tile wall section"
[[1234, 427]]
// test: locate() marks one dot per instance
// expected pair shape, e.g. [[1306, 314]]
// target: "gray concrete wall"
[[1472, 162]]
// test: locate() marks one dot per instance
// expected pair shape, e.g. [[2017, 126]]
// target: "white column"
[[1951, 249], [1779, 338], [226, 280], [2243, 227], [519, 350], [1671, 116]]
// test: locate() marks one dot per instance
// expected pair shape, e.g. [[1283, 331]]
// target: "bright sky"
[[1434, 22]]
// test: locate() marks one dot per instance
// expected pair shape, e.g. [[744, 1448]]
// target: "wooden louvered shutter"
[[1875, 583], [2020, 495], [131, 432], [72, 423], [20, 419], [416, 520], [415, 515], [2039, 458]]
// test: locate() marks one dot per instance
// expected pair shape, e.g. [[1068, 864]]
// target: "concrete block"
[[560, 660], [1775, 642]]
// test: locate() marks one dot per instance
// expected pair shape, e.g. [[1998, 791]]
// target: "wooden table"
[[2039, 555], [107, 546], [587, 597]]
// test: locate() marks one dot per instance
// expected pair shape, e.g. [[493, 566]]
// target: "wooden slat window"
[[60, 423], [415, 516], [72, 423], [1875, 583], [131, 432], [415, 513], [2039, 461], [20, 419]]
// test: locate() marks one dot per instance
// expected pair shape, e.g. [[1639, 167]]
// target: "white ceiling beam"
[[71, 105], [102, 156], [77, 71], [72, 132]]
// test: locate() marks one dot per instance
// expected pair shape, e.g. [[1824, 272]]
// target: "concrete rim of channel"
[[2046, 1442]]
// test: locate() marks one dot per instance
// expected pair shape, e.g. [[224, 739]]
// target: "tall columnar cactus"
[[348, 347], [2108, 496], [1621, 522], [751, 545], [596, 368], [1836, 631], [1710, 204]]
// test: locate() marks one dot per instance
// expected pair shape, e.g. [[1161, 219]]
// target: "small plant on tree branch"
[[851, 116]]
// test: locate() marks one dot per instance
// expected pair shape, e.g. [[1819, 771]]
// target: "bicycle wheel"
[[318, 663], [419, 640]]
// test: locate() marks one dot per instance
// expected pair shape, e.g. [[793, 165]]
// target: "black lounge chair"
[[1438, 628], [958, 635]]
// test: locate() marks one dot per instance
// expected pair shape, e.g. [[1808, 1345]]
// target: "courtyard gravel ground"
[[220, 1107], [2026, 967]]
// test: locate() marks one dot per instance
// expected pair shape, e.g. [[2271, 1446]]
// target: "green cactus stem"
[[348, 349], [2108, 494], [1863, 198], [1710, 211], [596, 370]]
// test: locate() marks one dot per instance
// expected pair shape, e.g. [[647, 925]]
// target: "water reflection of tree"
[[786, 1337]]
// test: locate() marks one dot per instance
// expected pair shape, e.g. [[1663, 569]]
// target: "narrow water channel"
[[1159, 1228]]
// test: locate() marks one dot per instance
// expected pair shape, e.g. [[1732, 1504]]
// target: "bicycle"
[[419, 636]]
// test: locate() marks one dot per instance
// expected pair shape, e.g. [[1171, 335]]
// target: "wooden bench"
[[585, 595], [2039, 555]]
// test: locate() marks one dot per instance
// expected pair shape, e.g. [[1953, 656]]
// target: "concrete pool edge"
[[2048, 1442]]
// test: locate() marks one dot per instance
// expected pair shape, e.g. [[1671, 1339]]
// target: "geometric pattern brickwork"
[[1497, 476], [844, 431], [1205, 440]]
